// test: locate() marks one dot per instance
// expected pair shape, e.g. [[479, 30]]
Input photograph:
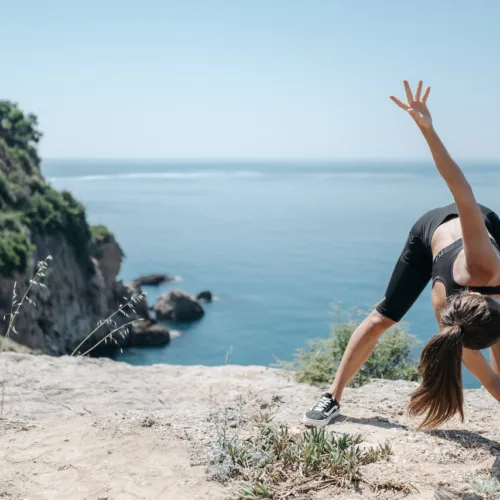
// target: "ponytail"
[[440, 395]]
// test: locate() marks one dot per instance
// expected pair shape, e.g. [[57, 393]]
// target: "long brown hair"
[[469, 320]]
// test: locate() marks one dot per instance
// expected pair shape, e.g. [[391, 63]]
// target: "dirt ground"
[[95, 429]]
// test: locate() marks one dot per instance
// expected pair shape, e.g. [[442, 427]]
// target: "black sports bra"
[[442, 270]]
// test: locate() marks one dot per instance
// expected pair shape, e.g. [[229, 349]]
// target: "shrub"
[[52, 212], [15, 246], [278, 462], [24, 160], [391, 358], [101, 234], [5, 196], [18, 129]]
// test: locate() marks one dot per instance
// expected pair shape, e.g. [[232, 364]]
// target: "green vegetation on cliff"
[[28, 204], [391, 359], [100, 236]]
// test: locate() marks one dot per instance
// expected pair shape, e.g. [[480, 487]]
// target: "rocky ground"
[[95, 429]]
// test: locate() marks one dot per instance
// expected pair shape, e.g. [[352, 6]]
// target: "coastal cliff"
[[79, 288]]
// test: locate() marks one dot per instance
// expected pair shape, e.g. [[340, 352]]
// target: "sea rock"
[[205, 296], [147, 334], [145, 331], [152, 280], [178, 306]]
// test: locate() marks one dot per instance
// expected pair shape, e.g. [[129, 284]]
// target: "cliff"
[[80, 428], [79, 288]]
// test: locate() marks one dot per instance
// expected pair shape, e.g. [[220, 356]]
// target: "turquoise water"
[[277, 243]]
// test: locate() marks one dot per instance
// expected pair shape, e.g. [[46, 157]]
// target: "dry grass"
[[121, 330]]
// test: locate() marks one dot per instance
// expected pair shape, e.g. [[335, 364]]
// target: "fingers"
[[419, 91], [399, 103], [426, 95], [409, 95]]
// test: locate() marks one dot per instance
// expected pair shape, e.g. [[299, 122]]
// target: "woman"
[[458, 247]]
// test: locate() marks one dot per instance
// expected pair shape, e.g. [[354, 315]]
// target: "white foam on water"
[[210, 174], [175, 333]]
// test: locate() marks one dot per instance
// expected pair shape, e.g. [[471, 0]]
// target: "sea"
[[279, 244]]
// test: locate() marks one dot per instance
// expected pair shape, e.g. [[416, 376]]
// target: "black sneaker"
[[323, 412]]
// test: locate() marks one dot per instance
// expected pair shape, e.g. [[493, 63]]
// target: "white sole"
[[321, 423]]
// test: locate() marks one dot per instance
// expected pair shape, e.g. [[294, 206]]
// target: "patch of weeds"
[[222, 466], [484, 485], [276, 462], [257, 491]]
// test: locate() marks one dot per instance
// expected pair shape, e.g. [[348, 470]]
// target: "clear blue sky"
[[251, 78]]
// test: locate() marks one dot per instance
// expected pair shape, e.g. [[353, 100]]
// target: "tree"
[[17, 129]]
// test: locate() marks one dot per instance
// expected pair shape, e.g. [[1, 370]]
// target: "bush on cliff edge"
[[391, 358]]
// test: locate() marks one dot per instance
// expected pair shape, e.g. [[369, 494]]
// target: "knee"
[[379, 323]]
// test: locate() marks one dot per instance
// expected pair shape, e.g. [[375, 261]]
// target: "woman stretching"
[[458, 248]]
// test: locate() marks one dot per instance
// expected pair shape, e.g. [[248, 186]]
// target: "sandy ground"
[[75, 429]]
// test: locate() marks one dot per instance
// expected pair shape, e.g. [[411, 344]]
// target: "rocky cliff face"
[[80, 287], [70, 306], [71, 303]]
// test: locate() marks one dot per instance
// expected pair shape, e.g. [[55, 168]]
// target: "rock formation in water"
[[205, 296], [178, 306], [79, 288], [152, 280]]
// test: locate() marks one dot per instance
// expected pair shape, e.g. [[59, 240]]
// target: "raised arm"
[[481, 259]]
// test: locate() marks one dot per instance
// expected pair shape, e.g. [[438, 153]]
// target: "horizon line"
[[258, 160]]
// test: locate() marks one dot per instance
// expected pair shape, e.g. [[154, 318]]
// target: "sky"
[[251, 79]]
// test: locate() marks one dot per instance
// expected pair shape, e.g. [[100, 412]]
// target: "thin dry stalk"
[[16, 305], [109, 336], [109, 321]]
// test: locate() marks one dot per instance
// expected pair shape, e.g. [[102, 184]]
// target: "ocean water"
[[277, 243]]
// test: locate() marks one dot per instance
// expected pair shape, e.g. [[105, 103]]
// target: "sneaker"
[[323, 412]]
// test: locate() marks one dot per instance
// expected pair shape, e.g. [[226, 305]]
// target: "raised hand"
[[417, 106]]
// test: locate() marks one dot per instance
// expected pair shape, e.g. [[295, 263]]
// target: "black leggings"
[[414, 267]]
